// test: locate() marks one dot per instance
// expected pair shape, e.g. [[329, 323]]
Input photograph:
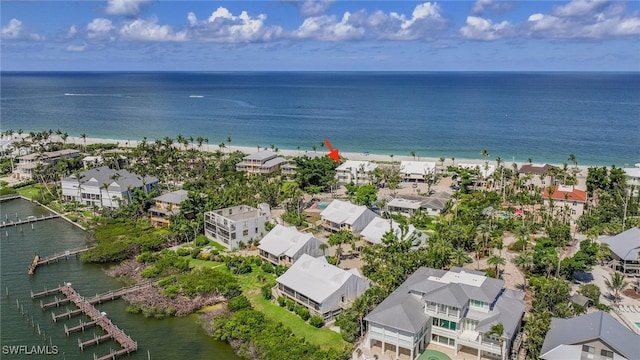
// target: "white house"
[[324, 289], [434, 204], [374, 232], [485, 170], [232, 225], [595, 336], [455, 309], [633, 178], [357, 171], [105, 187], [28, 163], [285, 245], [416, 170], [262, 162], [625, 250], [344, 215], [166, 206]]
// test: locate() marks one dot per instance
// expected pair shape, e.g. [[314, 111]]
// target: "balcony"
[[474, 340]]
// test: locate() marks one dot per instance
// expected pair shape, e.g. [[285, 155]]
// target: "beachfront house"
[[358, 172], [484, 170], [625, 251], [339, 215], [166, 206], [285, 245], [105, 187], [434, 204], [454, 309], [235, 225], [262, 162], [378, 227], [595, 336], [28, 163], [566, 200], [415, 171], [537, 176], [324, 289], [633, 178]]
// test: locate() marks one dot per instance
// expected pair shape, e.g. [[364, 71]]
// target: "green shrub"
[[134, 309], [303, 312], [266, 290], [291, 305], [267, 267], [282, 301], [183, 251], [316, 321], [202, 240], [146, 257], [171, 291], [239, 303], [280, 269]]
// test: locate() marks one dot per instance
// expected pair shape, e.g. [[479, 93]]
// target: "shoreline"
[[362, 156]]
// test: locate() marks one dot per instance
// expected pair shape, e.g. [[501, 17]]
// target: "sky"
[[320, 35]]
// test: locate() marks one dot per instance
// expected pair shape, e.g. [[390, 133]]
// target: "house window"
[[575, 203], [588, 349], [573, 212], [478, 304], [450, 325], [606, 354], [245, 232]]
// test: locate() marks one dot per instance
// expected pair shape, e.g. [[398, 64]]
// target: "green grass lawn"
[[251, 284], [30, 192]]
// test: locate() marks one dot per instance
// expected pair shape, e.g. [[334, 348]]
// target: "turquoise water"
[[322, 206], [638, 324], [170, 338], [515, 116]]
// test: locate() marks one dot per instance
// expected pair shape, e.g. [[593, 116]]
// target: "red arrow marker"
[[333, 153]]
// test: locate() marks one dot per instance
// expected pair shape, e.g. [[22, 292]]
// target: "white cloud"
[[76, 48], [608, 23], [478, 28], [425, 21], [129, 8], [100, 28], [15, 30], [314, 7], [481, 6], [580, 8], [327, 28], [223, 26], [72, 32], [149, 30]]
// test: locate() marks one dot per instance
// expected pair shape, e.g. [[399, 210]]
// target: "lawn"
[[30, 192], [251, 284]]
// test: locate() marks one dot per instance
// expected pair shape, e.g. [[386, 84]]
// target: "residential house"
[[28, 163], [285, 245], [324, 289], [596, 336], [166, 206], [455, 309], [633, 178], [91, 161], [340, 215], [484, 171], [434, 204], [232, 225], [416, 170], [378, 227], [358, 172], [567, 200], [625, 250], [537, 176], [105, 187], [262, 162], [289, 168]]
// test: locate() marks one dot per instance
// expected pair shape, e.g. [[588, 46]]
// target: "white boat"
[[196, 96]]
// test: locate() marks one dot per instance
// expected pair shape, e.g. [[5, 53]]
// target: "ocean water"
[[515, 116], [170, 338]]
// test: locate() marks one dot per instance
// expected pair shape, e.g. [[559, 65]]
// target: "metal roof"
[[625, 245]]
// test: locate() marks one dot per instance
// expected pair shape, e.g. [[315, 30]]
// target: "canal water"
[[169, 338]]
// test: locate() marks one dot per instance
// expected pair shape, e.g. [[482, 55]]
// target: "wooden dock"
[[97, 318], [9, 197], [29, 219], [37, 261]]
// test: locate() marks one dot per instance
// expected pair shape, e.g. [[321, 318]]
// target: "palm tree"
[[413, 153], [460, 257], [498, 330], [522, 234], [525, 262], [616, 285], [496, 260], [323, 247], [83, 136], [572, 158], [441, 162]]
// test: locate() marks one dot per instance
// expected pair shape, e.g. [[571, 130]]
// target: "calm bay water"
[[542, 116], [170, 338]]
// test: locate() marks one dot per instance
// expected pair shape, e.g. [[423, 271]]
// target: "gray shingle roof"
[[595, 326], [119, 180], [284, 240], [400, 310], [174, 197], [626, 245], [261, 155]]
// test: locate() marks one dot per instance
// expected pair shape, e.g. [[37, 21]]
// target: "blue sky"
[[321, 35]]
